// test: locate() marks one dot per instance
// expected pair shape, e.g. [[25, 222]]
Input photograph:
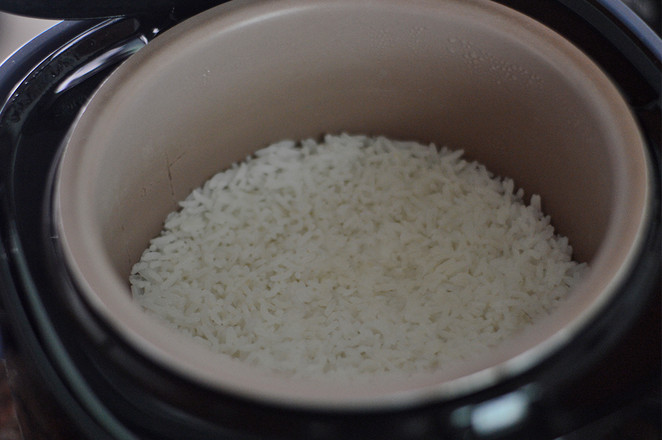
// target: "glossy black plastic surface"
[[84, 9]]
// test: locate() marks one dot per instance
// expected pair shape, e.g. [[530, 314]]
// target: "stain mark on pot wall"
[[169, 165], [169, 171]]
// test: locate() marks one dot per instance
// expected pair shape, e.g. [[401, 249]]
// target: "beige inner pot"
[[468, 74]]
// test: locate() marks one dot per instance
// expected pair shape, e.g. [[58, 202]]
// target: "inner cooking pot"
[[467, 74]]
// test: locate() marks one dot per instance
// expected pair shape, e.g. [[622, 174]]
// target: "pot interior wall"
[[204, 95], [403, 75]]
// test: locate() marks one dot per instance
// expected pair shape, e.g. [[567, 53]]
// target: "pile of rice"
[[358, 255]]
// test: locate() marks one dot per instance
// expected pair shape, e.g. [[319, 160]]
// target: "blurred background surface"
[[15, 31]]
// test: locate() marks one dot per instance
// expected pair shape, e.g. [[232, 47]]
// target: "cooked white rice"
[[357, 255]]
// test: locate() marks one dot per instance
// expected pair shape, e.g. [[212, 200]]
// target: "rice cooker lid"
[[596, 13], [157, 10], [82, 9]]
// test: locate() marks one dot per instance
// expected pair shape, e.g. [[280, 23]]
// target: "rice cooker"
[[113, 115]]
